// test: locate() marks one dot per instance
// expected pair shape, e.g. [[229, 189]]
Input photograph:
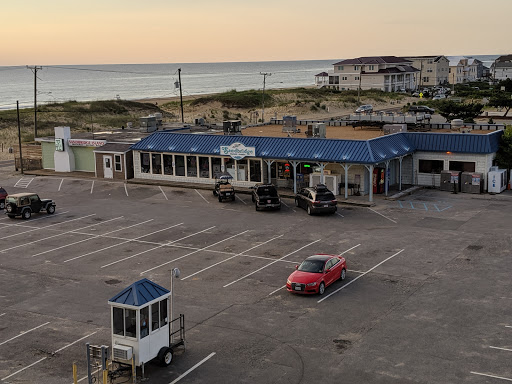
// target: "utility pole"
[[35, 68], [181, 96], [359, 88], [264, 74], [19, 135]]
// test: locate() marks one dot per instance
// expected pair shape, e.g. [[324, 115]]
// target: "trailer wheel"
[[165, 356]]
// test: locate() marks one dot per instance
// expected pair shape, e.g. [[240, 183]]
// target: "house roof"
[[322, 74], [504, 58], [374, 60], [397, 69], [114, 147], [139, 293], [454, 142]]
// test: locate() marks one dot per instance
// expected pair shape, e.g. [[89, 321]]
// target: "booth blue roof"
[[322, 150], [139, 293]]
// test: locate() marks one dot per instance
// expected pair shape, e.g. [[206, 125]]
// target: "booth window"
[[144, 163], [204, 167], [180, 165], [462, 166], [167, 164], [156, 162], [191, 166], [255, 170], [124, 322], [117, 163], [431, 166], [154, 317], [144, 322], [118, 324], [163, 312]]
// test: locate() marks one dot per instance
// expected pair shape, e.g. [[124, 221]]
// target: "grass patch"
[[235, 99]]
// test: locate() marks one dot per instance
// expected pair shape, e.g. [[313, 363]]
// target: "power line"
[[106, 70]]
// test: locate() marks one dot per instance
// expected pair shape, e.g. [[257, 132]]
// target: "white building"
[[501, 69], [464, 69]]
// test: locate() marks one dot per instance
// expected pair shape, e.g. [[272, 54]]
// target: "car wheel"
[[296, 202], [2, 205], [343, 274], [50, 210], [165, 356], [309, 210], [220, 199], [321, 288], [26, 214], [9, 208]]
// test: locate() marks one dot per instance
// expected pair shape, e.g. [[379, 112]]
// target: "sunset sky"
[[167, 31]]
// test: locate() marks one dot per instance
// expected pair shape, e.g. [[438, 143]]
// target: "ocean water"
[[140, 81]]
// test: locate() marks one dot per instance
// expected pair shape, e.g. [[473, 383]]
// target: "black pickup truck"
[[24, 204], [265, 196]]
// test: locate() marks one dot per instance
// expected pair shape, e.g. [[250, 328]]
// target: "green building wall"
[[48, 150], [84, 158]]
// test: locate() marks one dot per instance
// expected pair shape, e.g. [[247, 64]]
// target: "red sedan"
[[315, 273]]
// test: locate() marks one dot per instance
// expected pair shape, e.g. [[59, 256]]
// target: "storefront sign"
[[59, 145], [86, 143], [237, 151]]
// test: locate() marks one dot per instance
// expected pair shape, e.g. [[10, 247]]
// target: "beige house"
[[434, 70], [465, 69], [387, 73]]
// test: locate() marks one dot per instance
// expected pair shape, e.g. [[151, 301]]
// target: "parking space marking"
[[22, 369], [191, 253], [286, 205], [502, 349], [92, 186], [48, 226], [90, 238], [278, 289], [238, 197], [1, 314], [59, 234], [378, 213], [348, 250], [24, 333], [268, 265], [60, 185], [194, 367], [493, 376], [358, 277], [163, 193], [152, 249], [124, 242], [201, 196], [24, 182], [125, 189], [232, 257], [32, 220], [74, 342], [339, 214], [508, 326]]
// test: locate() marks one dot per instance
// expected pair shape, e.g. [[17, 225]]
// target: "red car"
[[3, 195], [316, 273]]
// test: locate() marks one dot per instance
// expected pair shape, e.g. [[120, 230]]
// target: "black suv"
[[316, 200], [24, 204], [421, 108], [265, 196]]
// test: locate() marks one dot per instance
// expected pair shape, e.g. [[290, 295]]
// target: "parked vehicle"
[[317, 199], [316, 273], [223, 188], [24, 204], [265, 196], [3, 195], [365, 108], [421, 109], [439, 97]]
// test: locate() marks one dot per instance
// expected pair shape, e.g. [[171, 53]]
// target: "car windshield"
[[314, 266], [267, 191], [325, 197]]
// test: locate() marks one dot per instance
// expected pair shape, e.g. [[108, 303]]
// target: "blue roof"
[[139, 293], [322, 150]]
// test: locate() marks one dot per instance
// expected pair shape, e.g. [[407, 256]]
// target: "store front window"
[[284, 171], [156, 162], [216, 166], [242, 170], [255, 170], [180, 165], [229, 165], [462, 166], [144, 163], [191, 166], [167, 164], [204, 167]]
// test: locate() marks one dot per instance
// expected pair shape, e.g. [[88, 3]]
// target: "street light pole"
[[359, 88], [264, 74], [175, 273]]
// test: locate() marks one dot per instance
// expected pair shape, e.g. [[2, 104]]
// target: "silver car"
[[365, 108]]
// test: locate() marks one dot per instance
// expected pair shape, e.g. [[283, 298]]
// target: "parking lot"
[[427, 297]]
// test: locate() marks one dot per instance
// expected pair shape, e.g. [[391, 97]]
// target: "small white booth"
[[141, 326]]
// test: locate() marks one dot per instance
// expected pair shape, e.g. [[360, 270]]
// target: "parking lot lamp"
[[175, 273]]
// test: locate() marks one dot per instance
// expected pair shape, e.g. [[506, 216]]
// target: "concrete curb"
[[408, 191]]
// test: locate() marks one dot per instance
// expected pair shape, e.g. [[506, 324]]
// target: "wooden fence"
[[32, 156]]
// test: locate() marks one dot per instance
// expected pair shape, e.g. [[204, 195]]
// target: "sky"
[[35, 32]]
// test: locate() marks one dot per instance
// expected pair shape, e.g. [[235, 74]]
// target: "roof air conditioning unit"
[[122, 352]]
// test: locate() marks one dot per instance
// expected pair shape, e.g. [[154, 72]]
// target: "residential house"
[[501, 69], [321, 79], [465, 69], [433, 70], [387, 73]]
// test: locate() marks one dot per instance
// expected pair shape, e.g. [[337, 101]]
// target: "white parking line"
[[232, 257], [163, 193], [32, 220], [493, 376], [60, 185], [348, 250], [1, 314], [74, 342], [378, 213], [358, 277], [268, 265], [502, 349], [339, 214], [125, 189], [191, 253], [278, 289], [90, 238], [194, 367], [240, 199], [286, 205], [24, 333], [92, 186], [57, 235], [152, 249], [23, 182], [201, 196], [48, 226], [124, 242]]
